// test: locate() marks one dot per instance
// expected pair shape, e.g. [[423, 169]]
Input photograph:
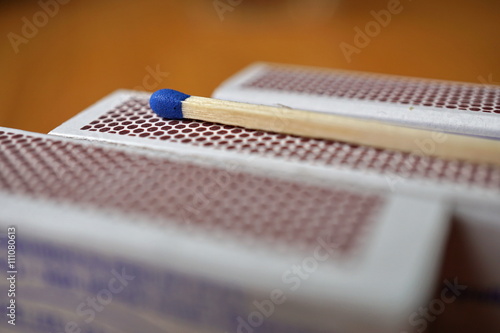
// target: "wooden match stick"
[[172, 104]]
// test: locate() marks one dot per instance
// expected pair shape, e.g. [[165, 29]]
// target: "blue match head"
[[167, 103]]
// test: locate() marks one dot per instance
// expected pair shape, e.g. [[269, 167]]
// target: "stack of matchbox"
[[128, 222]]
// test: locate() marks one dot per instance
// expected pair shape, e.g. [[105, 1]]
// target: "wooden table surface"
[[53, 66]]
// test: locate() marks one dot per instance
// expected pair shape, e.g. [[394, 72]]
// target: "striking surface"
[[262, 210], [135, 118]]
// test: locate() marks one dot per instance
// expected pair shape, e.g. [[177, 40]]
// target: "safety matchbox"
[[447, 106], [110, 238]]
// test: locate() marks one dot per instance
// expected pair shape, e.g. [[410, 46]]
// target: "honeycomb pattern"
[[135, 118], [211, 200], [380, 88]]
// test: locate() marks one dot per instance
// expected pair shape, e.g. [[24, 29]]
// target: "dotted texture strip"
[[380, 88], [135, 118], [212, 200]]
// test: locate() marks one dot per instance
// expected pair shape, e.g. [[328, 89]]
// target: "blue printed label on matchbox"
[[64, 290], [91, 286]]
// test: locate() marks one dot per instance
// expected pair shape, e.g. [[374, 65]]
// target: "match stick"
[[173, 104]]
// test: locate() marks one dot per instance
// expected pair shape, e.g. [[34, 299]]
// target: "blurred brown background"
[[77, 52]]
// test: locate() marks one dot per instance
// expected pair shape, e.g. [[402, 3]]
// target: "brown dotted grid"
[[268, 210], [380, 88], [135, 118]]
